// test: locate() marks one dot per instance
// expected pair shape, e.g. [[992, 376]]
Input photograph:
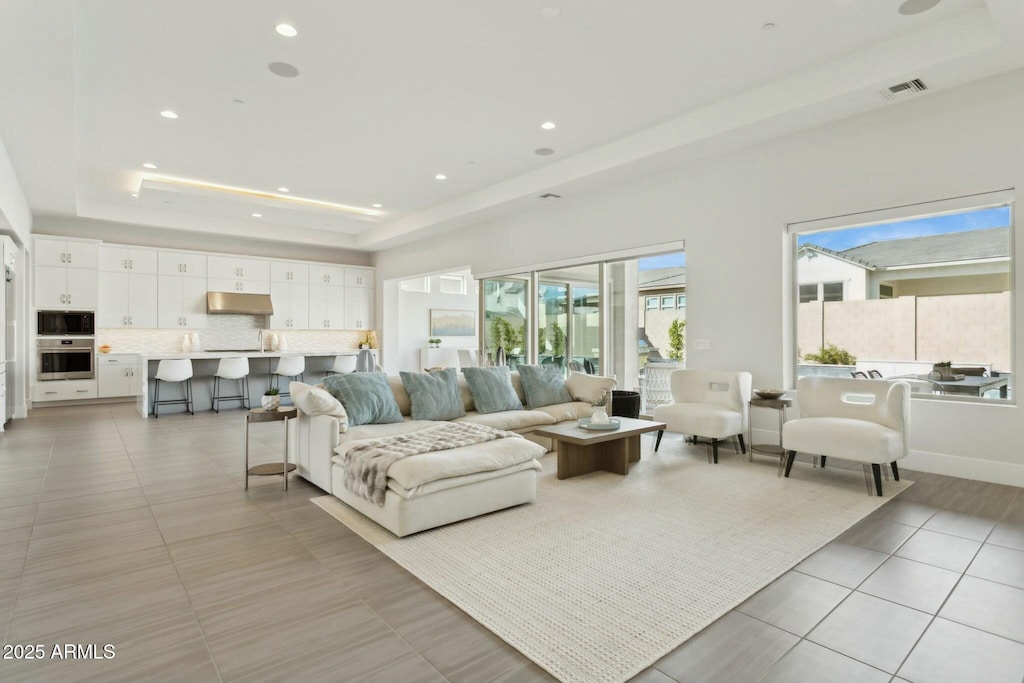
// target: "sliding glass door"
[[504, 319]]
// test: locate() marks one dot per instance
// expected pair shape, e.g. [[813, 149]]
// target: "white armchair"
[[863, 420], [711, 404]]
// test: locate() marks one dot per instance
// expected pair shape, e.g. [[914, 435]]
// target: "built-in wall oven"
[[60, 323], [66, 358]]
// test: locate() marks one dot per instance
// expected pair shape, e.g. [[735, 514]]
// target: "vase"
[[600, 416], [271, 402], [186, 344]]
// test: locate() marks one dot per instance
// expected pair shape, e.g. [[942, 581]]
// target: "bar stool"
[[231, 369], [342, 365], [173, 370], [290, 367]]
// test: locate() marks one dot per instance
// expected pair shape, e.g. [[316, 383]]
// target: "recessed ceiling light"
[[440, 176], [377, 206], [550, 12], [911, 7], [548, 125], [543, 151], [283, 69], [283, 189], [768, 27], [135, 194], [148, 165], [168, 114], [257, 215], [286, 30]]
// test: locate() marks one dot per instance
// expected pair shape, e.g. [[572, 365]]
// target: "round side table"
[[284, 413], [776, 450]]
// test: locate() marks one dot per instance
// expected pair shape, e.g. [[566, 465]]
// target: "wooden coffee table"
[[581, 450]]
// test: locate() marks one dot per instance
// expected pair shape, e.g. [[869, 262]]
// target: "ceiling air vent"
[[549, 196], [902, 91]]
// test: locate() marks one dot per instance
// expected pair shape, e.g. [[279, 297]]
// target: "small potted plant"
[[435, 342], [271, 399]]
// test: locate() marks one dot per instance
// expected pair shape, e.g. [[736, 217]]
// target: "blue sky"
[[677, 258], [839, 240]]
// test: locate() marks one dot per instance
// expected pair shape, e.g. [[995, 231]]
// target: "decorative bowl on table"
[[769, 393], [103, 348], [590, 425]]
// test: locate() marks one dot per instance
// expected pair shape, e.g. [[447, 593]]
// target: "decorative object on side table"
[[434, 342], [590, 424], [104, 348], [271, 399], [769, 394], [601, 410], [944, 372]]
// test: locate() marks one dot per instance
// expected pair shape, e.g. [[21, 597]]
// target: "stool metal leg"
[[246, 452], [285, 470], [156, 400]]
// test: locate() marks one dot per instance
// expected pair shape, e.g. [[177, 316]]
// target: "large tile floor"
[[139, 534]]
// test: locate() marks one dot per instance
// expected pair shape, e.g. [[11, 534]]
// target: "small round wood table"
[[283, 468]]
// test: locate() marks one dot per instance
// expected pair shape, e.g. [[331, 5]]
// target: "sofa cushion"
[[401, 395], [544, 385], [589, 388], [316, 401], [843, 437], [467, 395], [492, 389], [367, 397], [709, 420], [435, 394], [560, 412], [509, 419]]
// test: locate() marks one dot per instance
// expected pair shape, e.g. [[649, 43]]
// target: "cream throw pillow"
[[316, 401], [589, 388]]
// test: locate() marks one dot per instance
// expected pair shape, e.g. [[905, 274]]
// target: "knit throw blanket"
[[366, 465]]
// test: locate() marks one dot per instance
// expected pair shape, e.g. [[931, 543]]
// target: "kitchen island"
[[204, 366]]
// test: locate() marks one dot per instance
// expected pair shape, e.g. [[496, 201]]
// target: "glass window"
[[808, 293], [668, 302], [416, 284], [681, 301], [505, 307], [832, 291], [452, 284], [652, 303]]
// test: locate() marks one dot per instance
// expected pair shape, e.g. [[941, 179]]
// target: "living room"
[[101, 506]]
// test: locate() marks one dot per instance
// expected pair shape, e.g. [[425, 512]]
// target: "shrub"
[[677, 340], [831, 355]]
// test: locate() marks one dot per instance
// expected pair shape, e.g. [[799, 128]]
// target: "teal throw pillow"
[[366, 396], [435, 394], [544, 385], [492, 389]]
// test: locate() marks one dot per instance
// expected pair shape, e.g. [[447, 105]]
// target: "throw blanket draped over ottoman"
[[366, 465]]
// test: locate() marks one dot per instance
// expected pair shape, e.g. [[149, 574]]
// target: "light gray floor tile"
[[880, 535], [910, 583], [711, 655], [999, 564], [847, 565], [650, 675], [794, 602], [871, 630], [811, 663], [992, 607], [961, 524], [952, 653], [940, 550]]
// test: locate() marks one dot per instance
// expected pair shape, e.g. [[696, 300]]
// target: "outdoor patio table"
[[971, 385]]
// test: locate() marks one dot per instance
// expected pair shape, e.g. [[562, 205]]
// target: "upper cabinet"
[[182, 263], [237, 268], [320, 274], [127, 260], [65, 274], [359, 277], [295, 272], [65, 253]]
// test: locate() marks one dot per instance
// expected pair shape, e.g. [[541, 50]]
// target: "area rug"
[[605, 574]]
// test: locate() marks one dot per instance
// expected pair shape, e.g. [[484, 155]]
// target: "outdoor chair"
[[707, 404], [866, 421], [857, 374], [874, 374]]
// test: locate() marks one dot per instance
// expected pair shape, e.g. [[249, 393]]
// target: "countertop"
[[214, 355]]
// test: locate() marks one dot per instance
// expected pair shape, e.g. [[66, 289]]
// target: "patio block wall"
[[879, 329], [967, 328]]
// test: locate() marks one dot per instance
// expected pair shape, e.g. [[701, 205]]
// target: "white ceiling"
[[391, 93]]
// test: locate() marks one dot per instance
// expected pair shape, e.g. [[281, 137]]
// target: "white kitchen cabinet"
[[127, 300], [358, 308], [240, 286], [51, 251], [182, 263], [117, 375], [63, 288], [326, 307], [181, 302], [291, 305], [326, 275], [289, 271], [64, 390], [359, 277], [127, 260], [237, 268]]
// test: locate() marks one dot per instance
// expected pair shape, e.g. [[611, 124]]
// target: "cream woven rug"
[[605, 574]]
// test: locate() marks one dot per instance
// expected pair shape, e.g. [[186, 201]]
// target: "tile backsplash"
[[227, 332]]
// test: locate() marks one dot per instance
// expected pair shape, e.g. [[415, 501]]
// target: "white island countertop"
[[200, 355]]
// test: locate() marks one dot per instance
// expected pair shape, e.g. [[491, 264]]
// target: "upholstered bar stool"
[[173, 370], [290, 367], [342, 365], [233, 369]]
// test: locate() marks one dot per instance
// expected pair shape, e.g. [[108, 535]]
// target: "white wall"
[[412, 327], [15, 216], [732, 211]]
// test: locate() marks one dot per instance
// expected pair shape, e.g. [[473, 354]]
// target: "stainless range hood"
[[233, 302]]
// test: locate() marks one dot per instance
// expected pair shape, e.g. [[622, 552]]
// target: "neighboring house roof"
[[970, 245], [663, 278]]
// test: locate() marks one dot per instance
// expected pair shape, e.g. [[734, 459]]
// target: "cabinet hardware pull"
[[69, 257], [124, 264], [62, 298], [129, 320], [125, 321], [131, 264], [186, 267], [69, 298], [63, 259], [81, 391]]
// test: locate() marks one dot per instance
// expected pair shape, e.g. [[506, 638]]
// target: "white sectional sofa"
[[437, 488]]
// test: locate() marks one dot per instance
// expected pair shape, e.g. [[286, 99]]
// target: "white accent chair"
[[231, 369], [709, 404], [343, 365], [173, 370], [864, 420]]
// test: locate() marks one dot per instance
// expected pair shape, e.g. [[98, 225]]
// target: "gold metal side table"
[[284, 413], [779, 404]]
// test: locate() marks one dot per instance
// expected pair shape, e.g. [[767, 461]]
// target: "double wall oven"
[[66, 345]]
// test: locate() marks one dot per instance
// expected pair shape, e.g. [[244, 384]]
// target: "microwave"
[[61, 323]]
